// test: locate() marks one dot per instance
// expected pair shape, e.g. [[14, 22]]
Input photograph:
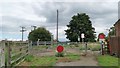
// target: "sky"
[[42, 13]]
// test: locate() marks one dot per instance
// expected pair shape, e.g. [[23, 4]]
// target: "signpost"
[[60, 48], [101, 37], [101, 40], [83, 36], [60, 51]]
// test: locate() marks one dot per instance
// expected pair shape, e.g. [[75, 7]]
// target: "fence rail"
[[16, 52], [12, 52]]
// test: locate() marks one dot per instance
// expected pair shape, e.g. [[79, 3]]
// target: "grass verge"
[[50, 60], [40, 61], [106, 60]]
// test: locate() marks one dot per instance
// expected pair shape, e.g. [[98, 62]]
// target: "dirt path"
[[88, 60], [44, 52]]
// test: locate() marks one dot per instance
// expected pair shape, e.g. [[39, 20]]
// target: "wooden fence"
[[115, 46], [42, 43], [13, 52]]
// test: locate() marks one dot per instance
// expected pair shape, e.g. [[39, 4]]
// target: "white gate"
[[2, 54]]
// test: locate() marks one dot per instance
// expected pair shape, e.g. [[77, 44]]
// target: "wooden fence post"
[[2, 54], [8, 53], [86, 48], [29, 46]]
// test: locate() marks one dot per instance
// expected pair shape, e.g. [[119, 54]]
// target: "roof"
[[117, 22]]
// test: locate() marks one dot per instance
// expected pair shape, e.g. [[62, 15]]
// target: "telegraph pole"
[[57, 29], [34, 27], [22, 30]]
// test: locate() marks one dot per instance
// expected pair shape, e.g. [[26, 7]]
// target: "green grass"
[[29, 58], [40, 61], [43, 61], [49, 60], [73, 57], [40, 47], [106, 60], [95, 48]]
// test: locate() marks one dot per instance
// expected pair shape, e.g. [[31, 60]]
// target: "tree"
[[40, 33], [79, 24], [111, 31]]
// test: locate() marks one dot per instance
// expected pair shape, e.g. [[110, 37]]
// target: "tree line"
[[79, 24]]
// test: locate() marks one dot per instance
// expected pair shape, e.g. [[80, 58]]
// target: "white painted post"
[[82, 36], [45, 43], [51, 40], [38, 42]]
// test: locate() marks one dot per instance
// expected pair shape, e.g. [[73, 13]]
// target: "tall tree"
[[40, 33], [79, 24]]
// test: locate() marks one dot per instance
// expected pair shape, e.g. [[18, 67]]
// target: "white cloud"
[[16, 13], [29, 1]]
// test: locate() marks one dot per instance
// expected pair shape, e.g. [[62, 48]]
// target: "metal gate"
[[2, 54]]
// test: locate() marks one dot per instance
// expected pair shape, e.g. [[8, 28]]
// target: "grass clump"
[[29, 58]]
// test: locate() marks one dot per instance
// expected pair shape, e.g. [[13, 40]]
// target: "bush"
[[59, 54]]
